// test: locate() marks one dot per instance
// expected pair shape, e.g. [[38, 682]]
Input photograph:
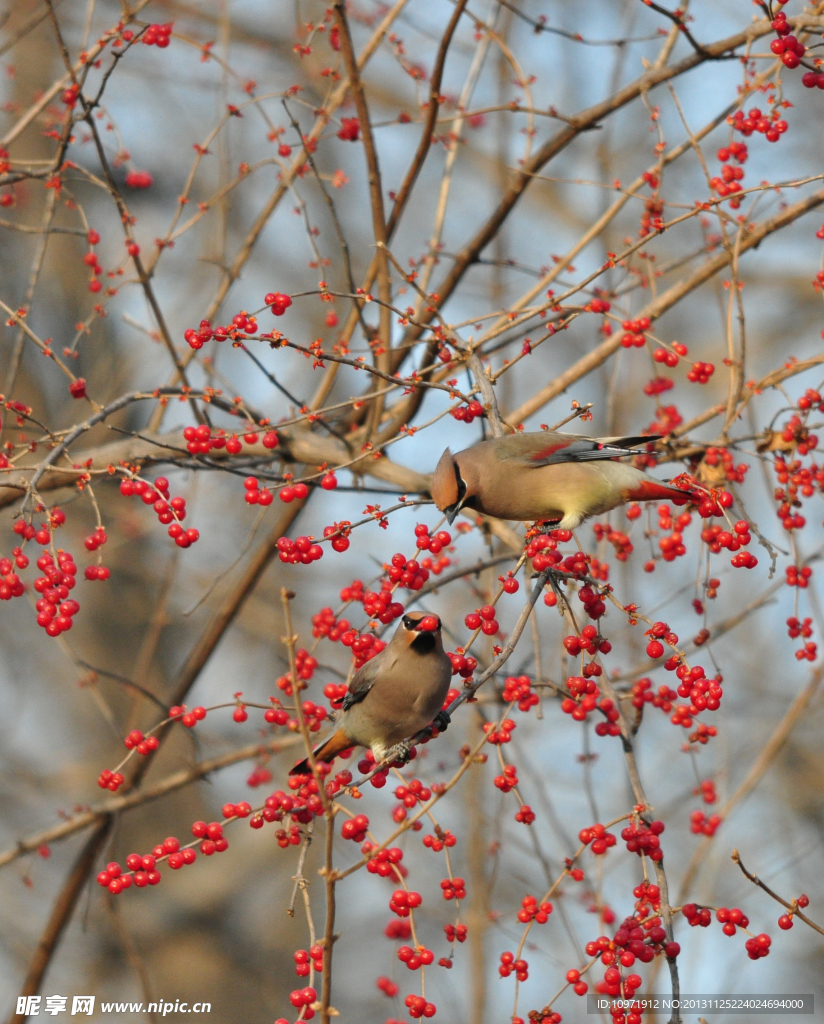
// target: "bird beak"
[[452, 512]]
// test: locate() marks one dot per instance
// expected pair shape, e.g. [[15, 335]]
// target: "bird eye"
[[408, 623]]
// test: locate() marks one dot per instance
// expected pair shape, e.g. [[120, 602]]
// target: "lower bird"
[[393, 696], [562, 478]]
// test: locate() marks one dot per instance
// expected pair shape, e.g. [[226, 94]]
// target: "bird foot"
[[397, 754], [442, 720]]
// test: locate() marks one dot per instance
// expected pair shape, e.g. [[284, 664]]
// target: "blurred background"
[[219, 931]]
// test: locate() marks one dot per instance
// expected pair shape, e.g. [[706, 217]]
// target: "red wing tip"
[[652, 491]]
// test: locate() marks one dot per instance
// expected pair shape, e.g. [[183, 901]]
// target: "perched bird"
[[393, 696], [563, 478]]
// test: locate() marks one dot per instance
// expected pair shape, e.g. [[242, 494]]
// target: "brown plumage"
[[393, 696], [563, 478]]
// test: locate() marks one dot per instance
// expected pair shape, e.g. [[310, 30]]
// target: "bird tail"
[[633, 442], [326, 752]]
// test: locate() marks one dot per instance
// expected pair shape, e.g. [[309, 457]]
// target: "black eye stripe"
[[460, 481]]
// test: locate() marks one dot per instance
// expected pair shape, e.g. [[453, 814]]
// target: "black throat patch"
[[424, 643]]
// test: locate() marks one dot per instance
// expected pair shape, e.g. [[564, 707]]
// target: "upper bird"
[[393, 696], [563, 478]]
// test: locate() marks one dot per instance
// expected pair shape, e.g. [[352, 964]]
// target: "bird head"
[[449, 489], [421, 622], [421, 631]]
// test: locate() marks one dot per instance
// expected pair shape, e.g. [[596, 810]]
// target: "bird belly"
[[394, 717], [568, 492]]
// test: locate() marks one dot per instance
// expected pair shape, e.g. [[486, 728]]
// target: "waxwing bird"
[[393, 696], [563, 478]]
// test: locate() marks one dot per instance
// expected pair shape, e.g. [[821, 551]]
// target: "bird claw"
[[442, 720], [399, 754]]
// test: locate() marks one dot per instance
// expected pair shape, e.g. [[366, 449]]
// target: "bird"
[[394, 695], [546, 475]]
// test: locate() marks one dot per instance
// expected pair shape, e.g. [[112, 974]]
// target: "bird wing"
[[362, 682], [558, 448]]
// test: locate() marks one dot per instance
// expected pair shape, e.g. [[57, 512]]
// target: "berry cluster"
[[785, 922], [531, 910], [255, 494], [510, 964], [508, 781], [642, 838], [11, 585], [113, 878], [134, 179], [211, 836], [415, 958], [595, 607], [437, 842], [301, 550], [168, 510], [413, 793], [519, 688], [417, 1005], [731, 919], [355, 828], [350, 129], [660, 631], [397, 929], [403, 901], [525, 815], [364, 646], [670, 357], [453, 888], [389, 988], [700, 824], [701, 373], [143, 745], [110, 780], [201, 440], [435, 544], [386, 863], [305, 665], [325, 623], [55, 609], [704, 694], [468, 413], [771, 126], [291, 492], [501, 735], [619, 540], [636, 939], [658, 385], [379, 605], [410, 574], [302, 999], [40, 535], [462, 665], [584, 700], [696, 916], [633, 336], [642, 694], [483, 619], [597, 838], [158, 35], [302, 958], [277, 302]]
